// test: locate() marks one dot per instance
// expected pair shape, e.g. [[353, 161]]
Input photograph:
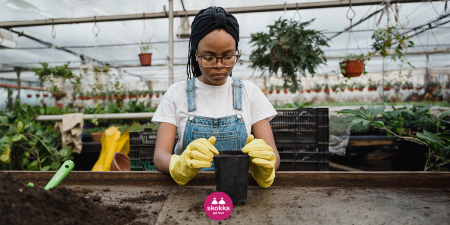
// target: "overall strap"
[[190, 92], [237, 94]]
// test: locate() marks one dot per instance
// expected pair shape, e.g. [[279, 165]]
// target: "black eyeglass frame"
[[217, 58]]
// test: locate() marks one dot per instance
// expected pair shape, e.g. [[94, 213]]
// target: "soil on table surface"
[[24, 205]]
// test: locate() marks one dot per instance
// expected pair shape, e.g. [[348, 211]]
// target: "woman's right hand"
[[198, 154]]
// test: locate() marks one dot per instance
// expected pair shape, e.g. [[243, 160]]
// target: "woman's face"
[[217, 43]]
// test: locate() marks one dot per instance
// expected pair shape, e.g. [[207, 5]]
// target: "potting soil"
[[24, 205]]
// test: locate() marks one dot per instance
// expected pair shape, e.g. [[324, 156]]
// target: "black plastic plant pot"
[[231, 170]]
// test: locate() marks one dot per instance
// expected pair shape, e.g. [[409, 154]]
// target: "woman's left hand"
[[262, 161]]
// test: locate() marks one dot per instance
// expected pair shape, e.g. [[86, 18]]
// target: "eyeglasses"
[[211, 61]]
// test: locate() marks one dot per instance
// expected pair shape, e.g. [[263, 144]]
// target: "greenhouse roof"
[[118, 41]]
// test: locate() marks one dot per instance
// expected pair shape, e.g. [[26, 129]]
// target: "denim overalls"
[[230, 131]]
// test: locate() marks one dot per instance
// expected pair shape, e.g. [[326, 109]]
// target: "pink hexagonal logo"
[[218, 206]]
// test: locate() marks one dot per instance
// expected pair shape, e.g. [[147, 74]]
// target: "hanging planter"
[[38, 95], [29, 95], [351, 89], [285, 91], [82, 98], [45, 95], [352, 67], [145, 47], [308, 91], [145, 59]]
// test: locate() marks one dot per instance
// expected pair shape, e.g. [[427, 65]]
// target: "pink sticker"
[[218, 206]]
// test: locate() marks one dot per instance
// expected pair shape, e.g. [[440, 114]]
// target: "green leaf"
[[39, 133], [443, 115], [423, 109], [5, 156], [378, 123], [19, 127], [42, 111], [46, 140], [23, 137], [365, 123], [3, 120], [356, 121], [16, 138], [430, 136], [66, 151], [33, 166], [356, 113], [27, 154], [349, 118], [24, 162], [46, 168], [378, 110], [4, 139], [55, 165]]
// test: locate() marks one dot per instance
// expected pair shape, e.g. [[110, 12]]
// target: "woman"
[[212, 111]]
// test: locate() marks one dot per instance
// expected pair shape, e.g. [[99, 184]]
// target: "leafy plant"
[[391, 38], [360, 85], [317, 87], [24, 139], [145, 45], [48, 73], [358, 58], [288, 47], [437, 143]]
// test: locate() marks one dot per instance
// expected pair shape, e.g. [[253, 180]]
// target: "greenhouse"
[[205, 112]]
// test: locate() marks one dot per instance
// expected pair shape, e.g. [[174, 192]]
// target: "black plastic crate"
[[304, 158], [142, 144], [303, 166], [300, 126]]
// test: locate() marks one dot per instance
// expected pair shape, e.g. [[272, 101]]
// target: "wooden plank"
[[368, 179], [369, 143], [342, 167]]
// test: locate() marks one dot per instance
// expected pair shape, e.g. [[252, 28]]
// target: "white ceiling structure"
[[118, 40]]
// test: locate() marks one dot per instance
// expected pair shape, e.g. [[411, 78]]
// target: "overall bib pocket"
[[224, 140]]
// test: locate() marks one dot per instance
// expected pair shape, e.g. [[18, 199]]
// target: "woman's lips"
[[218, 75]]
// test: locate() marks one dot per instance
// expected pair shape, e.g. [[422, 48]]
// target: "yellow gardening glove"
[[262, 161], [198, 154]]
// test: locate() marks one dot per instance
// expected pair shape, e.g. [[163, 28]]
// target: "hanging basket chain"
[[348, 11], [297, 13], [53, 41]]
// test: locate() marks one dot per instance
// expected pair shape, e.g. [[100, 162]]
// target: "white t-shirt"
[[212, 101]]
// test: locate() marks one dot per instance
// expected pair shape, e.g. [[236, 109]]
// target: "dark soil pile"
[[24, 205]]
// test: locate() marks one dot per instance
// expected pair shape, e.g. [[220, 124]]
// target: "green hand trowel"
[[66, 167]]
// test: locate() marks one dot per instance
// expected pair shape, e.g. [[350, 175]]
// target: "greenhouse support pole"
[[170, 42], [382, 81], [18, 70]]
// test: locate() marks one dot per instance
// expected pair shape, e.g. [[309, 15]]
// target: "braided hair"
[[204, 22]]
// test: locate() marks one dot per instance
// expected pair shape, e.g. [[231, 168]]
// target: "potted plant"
[[29, 95], [410, 85], [270, 89], [285, 90], [388, 86], [38, 95], [288, 47], [326, 88], [146, 56], [45, 94], [278, 88], [404, 86], [351, 87], [353, 65], [419, 87], [157, 94], [317, 88], [163, 92], [292, 89], [361, 86], [334, 87], [342, 86], [98, 76], [150, 93], [372, 85], [53, 77]]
